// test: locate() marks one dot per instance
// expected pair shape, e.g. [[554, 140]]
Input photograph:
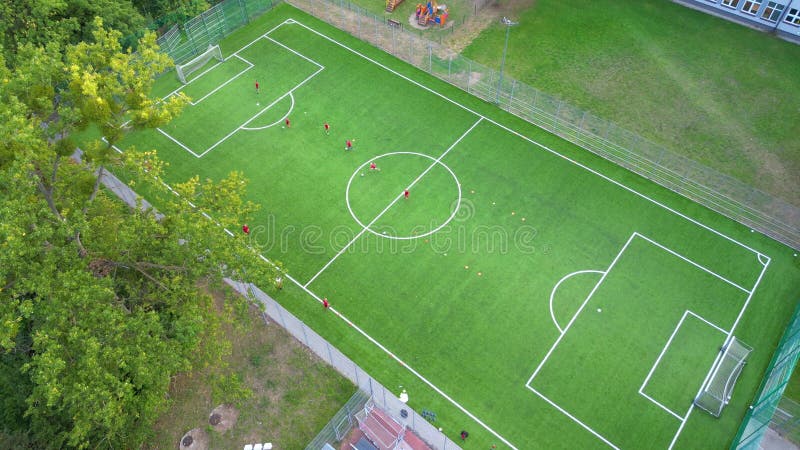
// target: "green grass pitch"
[[544, 298]]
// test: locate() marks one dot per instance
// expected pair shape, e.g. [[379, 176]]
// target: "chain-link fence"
[[183, 42], [764, 407], [786, 421], [341, 423], [724, 194], [383, 398]]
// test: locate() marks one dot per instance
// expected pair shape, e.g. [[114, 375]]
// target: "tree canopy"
[[100, 303]]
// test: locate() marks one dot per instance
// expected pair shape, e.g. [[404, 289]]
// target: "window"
[[751, 6], [793, 16], [731, 3], [773, 11]]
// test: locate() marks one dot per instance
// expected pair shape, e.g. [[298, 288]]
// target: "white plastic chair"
[[248, 447], [258, 447], [268, 446]]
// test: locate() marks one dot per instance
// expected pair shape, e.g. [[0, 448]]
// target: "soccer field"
[[535, 295]]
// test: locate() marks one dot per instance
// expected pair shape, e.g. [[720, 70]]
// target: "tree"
[[166, 11], [39, 22], [101, 303]]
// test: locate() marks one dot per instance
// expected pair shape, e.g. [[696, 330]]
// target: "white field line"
[[178, 142], [710, 272], [663, 350], [403, 363], [542, 146], [200, 75], [355, 238], [262, 112], [243, 126], [564, 333], [244, 47], [657, 403], [295, 52], [417, 374], [730, 334], [575, 419], [555, 288], [291, 108], [661, 355], [230, 80], [399, 196], [709, 323], [763, 259]]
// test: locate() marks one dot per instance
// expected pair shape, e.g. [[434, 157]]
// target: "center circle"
[[360, 170]]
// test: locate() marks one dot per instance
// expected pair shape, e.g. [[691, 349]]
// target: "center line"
[[363, 230]]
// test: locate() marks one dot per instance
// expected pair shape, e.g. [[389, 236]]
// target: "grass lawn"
[[543, 297], [294, 393], [717, 92]]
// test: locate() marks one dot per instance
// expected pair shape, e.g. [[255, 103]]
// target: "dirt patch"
[[223, 418], [194, 439], [464, 34]]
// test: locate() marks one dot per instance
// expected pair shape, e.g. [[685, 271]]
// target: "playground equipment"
[[392, 4], [431, 13]]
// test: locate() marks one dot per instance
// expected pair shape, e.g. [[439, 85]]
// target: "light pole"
[[508, 23]]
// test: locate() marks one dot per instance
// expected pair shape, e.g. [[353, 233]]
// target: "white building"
[[781, 17]]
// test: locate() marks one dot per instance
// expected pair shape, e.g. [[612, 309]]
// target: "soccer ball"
[[362, 174]]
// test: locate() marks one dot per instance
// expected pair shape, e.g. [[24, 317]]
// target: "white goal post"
[[184, 70], [718, 386]]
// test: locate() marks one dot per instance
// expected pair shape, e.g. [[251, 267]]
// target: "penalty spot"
[[599, 309]]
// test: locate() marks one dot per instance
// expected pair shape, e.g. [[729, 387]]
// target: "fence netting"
[[724, 194], [383, 398], [764, 407], [184, 41]]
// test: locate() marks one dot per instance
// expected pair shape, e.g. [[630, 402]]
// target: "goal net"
[[184, 70], [719, 384]]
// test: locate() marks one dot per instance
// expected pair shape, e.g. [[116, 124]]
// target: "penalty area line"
[[575, 419]]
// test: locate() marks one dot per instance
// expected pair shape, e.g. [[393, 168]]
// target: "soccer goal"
[[184, 70], [719, 385]]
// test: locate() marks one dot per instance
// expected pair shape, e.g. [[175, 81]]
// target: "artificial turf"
[[458, 279]]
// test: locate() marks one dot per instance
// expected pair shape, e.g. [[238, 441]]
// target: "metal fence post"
[[243, 8], [469, 75], [557, 118]]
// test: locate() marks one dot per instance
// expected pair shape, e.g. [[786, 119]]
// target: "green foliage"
[[40, 22], [100, 304], [171, 11], [229, 388]]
